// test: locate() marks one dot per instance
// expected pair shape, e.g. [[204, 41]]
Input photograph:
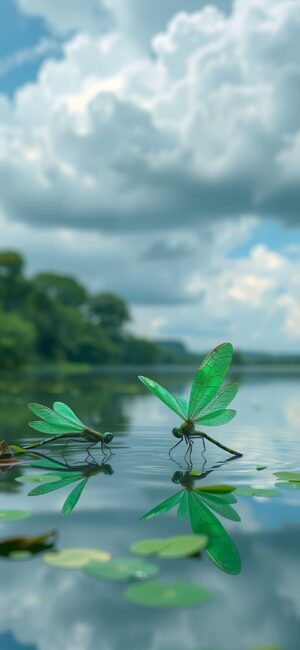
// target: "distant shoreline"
[[251, 369]]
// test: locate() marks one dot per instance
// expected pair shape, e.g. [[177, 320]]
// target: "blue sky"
[[153, 149]]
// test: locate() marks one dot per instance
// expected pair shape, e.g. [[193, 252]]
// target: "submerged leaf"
[[121, 569], [172, 595], [13, 515], [73, 498], [75, 558]]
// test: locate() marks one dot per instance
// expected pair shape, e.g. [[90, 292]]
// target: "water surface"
[[43, 608]]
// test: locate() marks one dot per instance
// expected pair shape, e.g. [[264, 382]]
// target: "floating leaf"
[[121, 569], [217, 489], [34, 478], [148, 546], [257, 492], [172, 547], [75, 558], [292, 485], [261, 467], [13, 515], [73, 498], [288, 476], [176, 594]]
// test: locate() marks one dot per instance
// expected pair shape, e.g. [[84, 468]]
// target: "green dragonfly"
[[208, 399], [64, 423]]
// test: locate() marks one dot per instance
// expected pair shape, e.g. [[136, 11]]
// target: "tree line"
[[52, 317]]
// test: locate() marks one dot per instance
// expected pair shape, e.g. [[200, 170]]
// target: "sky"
[[152, 149]]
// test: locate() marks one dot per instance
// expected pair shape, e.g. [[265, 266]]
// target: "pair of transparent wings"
[[208, 399], [60, 419]]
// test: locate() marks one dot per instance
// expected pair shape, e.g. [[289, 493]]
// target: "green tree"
[[134, 350], [60, 288], [110, 311], [13, 286], [17, 341]]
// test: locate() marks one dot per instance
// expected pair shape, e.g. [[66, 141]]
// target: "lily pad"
[[121, 569], [34, 478], [257, 492], [13, 515], [288, 476], [291, 485], [174, 595], [75, 558], [171, 547]]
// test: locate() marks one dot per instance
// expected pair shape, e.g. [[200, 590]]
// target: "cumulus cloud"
[[164, 158]]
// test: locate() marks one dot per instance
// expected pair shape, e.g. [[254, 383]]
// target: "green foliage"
[[173, 595], [52, 317], [17, 341], [171, 547], [121, 569]]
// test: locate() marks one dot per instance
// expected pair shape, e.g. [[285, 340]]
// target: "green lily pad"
[[33, 478], [257, 492], [75, 558], [288, 476], [173, 595], [172, 547], [13, 515], [121, 569], [291, 485], [217, 489]]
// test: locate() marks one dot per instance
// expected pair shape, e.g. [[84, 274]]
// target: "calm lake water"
[[46, 608]]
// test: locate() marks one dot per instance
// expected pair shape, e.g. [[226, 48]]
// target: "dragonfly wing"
[[164, 506], [66, 412], [209, 377], [73, 498], [221, 549], [48, 415], [222, 399], [45, 427], [175, 404], [216, 418]]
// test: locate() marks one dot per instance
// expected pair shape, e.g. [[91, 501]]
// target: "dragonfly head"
[[177, 432], [108, 470], [108, 437]]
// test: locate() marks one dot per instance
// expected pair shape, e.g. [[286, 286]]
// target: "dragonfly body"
[[208, 399]]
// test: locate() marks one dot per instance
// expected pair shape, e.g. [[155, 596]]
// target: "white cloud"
[[164, 161]]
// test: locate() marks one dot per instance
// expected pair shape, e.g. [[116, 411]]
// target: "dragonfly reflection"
[[62, 474], [199, 504]]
